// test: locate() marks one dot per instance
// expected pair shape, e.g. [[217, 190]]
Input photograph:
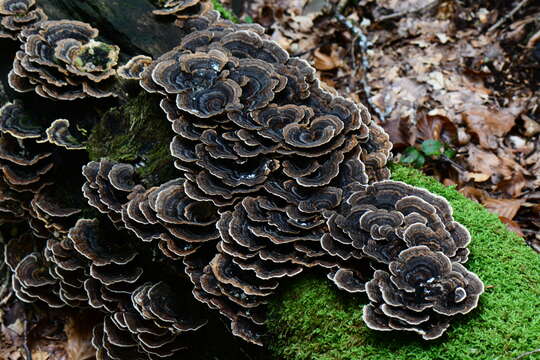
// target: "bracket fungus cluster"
[[274, 174], [15, 15], [63, 60]]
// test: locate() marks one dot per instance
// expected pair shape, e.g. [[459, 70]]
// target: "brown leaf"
[[474, 193], [40, 355], [400, 132], [325, 62], [507, 208], [487, 124], [513, 186], [531, 126], [512, 225], [436, 127], [79, 336], [477, 177], [488, 163]]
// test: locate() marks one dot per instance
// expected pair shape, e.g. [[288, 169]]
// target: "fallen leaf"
[[488, 163], [436, 127], [507, 208], [79, 337], [513, 186], [487, 124], [512, 225], [325, 62], [400, 132], [477, 177], [40, 355], [532, 127], [474, 193]]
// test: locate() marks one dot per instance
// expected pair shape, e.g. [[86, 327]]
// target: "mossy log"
[[126, 23], [312, 319]]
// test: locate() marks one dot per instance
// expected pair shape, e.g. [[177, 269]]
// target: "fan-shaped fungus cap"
[[16, 15], [62, 60], [422, 289], [134, 68], [15, 121], [100, 248], [33, 282], [168, 307], [59, 134], [107, 186]]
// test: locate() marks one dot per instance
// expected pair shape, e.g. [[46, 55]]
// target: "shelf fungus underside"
[[273, 174]]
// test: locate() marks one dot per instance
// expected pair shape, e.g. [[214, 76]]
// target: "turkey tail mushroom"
[[421, 291], [16, 15], [62, 60]]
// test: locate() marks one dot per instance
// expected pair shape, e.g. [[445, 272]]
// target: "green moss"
[[224, 12], [137, 132], [311, 319]]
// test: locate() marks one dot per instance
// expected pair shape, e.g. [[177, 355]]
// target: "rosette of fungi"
[[107, 187], [24, 157], [259, 138], [31, 278], [379, 221], [160, 321], [16, 15], [163, 213], [421, 291], [250, 119], [63, 60], [180, 224], [29, 163], [90, 266], [238, 295], [133, 69], [262, 241], [26, 162]]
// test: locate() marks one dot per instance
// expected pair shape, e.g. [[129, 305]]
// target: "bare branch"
[[507, 16]]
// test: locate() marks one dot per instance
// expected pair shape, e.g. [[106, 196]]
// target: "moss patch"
[[137, 132], [311, 319], [224, 12]]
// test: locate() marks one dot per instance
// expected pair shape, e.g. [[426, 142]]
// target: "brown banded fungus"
[[16, 15], [158, 322], [419, 293], [249, 119], [29, 165], [237, 295], [63, 60], [134, 68], [59, 133], [379, 221]]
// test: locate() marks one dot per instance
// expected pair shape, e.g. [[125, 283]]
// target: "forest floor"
[[456, 84]]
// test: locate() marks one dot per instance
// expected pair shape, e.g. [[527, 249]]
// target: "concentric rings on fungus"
[[16, 15], [62, 60], [421, 290]]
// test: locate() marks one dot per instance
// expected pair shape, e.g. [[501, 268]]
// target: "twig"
[[361, 40], [507, 16], [27, 351], [527, 354], [421, 9]]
